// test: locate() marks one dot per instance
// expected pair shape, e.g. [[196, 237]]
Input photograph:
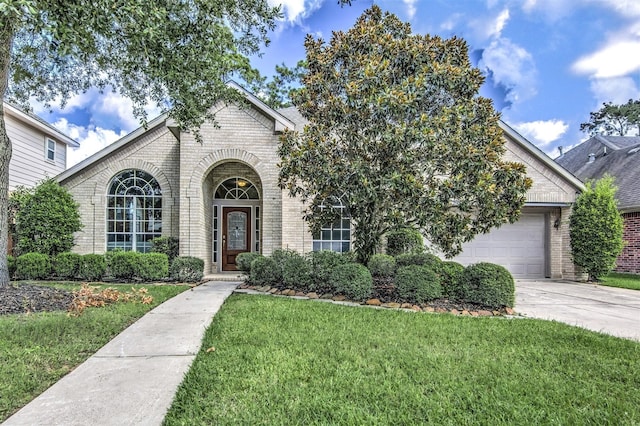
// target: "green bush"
[[264, 271], [417, 284], [487, 284], [322, 264], [65, 265], [450, 274], [152, 266], [166, 245], [186, 269], [11, 265], [108, 256], [420, 259], [353, 280], [243, 261], [382, 265], [404, 240], [124, 265], [296, 272], [33, 266], [92, 267]]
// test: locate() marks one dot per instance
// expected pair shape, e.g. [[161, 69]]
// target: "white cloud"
[[542, 133], [616, 90], [618, 58], [491, 27], [512, 67], [451, 22], [91, 139], [295, 10], [411, 7]]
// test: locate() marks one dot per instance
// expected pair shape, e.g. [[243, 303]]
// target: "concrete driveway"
[[608, 310]]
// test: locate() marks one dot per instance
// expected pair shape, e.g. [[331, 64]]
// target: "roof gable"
[[40, 124]]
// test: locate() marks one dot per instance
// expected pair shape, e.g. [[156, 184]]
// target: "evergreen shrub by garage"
[[450, 274], [296, 271], [123, 265], [417, 284], [404, 240], [65, 265], [264, 271], [382, 265], [11, 265], [487, 284], [352, 280], [33, 266], [322, 264], [243, 261], [92, 267], [152, 266], [186, 269], [422, 259]]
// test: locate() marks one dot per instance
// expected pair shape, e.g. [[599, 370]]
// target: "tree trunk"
[[6, 40]]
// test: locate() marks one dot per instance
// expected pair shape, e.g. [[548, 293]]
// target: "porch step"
[[229, 276]]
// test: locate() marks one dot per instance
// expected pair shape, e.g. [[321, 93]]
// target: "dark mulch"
[[26, 298]]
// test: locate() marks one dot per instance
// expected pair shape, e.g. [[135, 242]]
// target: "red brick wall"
[[629, 259]]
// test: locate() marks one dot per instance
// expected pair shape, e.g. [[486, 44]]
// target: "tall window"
[[335, 236], [134, 211], [50, 146]]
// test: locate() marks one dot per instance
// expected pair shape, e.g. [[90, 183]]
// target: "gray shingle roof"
[[618, 156]]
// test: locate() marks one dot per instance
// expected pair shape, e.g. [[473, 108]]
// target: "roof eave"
[[281, 122], [40, 125]]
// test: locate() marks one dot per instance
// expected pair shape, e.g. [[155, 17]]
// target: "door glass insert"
[[236, 231]]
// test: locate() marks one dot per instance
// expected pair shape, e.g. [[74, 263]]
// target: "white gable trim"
[[281, 121], [39, 124]]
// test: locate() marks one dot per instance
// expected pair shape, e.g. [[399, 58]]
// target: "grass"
[[36, 350], [268, 360], [615, 279]]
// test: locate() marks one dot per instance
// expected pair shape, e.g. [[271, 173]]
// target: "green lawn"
[[268, 360], [629, 281], [36, 350]]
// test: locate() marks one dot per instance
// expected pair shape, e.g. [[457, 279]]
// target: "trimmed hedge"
[[322, 264], [152, 266], [417, 284], [487, 284], [450, 274], [421, 259], [167, 245], [296, 271], [92, 267], [33, 266], [264, 271], [353, 280], [243, 261], [382, 265], [66, 265], [186, 269], [404, 240], [123, 265]]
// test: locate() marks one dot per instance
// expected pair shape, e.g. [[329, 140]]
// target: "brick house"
[[617, 156], [221, 197]]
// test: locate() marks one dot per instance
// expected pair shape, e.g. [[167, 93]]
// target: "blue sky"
[[548, 62]]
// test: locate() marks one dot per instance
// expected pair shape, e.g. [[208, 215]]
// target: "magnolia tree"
[[398, 134], [177, 54]]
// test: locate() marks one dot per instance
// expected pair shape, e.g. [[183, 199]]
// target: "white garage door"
[[519, 247]]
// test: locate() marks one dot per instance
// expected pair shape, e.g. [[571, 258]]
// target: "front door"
[[236, 235]]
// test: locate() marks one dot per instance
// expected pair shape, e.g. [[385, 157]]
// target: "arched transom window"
[[237, 189], [134, 211]]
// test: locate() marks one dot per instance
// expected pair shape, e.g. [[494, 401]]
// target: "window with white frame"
[[134, 211], [50, 149], [335, 236]]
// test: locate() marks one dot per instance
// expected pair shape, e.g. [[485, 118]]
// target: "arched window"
[[334, 236], [237, 189], [134, 211]]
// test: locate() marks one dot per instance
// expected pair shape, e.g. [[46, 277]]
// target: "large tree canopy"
[[614, 120], [398, 132], [177, 54]]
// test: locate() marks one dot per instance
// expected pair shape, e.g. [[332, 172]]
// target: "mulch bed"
[[26, 298]]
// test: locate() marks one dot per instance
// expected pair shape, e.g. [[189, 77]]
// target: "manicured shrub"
[[421, 259], [450, 274], [124, 265], [92, 267], [264, 271], [417, 284], [404, 240], [382, 265], [65, 265], [11, 264], [296, 271], [281, 257], [186, 269], [152, 266], [33, 266], [108, 256], [243, 261], [487, 284], [353, 280], [166, 245], [322, 264]]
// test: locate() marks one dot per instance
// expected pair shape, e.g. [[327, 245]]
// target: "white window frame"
[[332, 238], [47, 149]]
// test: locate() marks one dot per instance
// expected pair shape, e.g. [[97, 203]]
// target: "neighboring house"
[[618, 156], [221, 197]]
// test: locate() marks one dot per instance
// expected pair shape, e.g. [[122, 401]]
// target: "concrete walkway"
[[132, 380], [610, 310]]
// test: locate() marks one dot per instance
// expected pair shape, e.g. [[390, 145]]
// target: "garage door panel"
[[519, 247]]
